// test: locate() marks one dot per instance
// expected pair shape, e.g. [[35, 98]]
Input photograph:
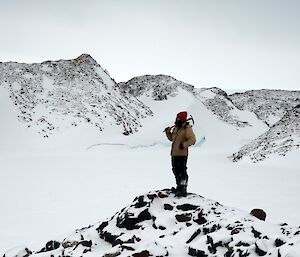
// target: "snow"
[[80, 175], [46, 196]]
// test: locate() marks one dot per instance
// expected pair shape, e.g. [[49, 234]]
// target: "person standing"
[[182, 137]]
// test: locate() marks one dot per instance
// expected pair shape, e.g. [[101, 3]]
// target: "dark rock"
[[255, 233], [242, 244], [198, 231], [259, 251], [196, 252], [183, 217], [201, 220], [213, 246], [214, 228], [84, 243], [168, 207], [279, 242], [140, 202], [142, 254], [102, 226], [162, 228], [151, 196], [162, 195], [131, 223], [187, 207], [50, 246], [235, 231], [259, 213], [126, 247], [229, 253], [108, 237]]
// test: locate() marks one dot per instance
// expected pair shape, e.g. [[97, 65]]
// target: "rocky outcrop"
[[157, 87], [54, 95], [218, 102], [282, 138], [269, 105], [160, 224]]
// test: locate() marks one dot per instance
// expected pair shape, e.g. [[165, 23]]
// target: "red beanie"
[[182, 116]]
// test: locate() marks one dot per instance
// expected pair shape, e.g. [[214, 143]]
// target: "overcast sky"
[[226, 43]]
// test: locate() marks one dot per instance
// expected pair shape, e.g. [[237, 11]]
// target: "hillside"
[[76, 104], [57, 95], [159, 224], [283, 137], [268, 105]]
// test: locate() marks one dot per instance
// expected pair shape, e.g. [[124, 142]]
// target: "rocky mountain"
[[282, 138], [54, 95], [269, 105], [157, 87], [160, 224], [163, 87], [218, 102]]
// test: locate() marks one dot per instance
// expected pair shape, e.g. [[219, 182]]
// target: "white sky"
[[226, 43]]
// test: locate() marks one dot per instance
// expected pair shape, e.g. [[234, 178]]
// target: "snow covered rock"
[[282, 138], [217, 101], [160, 224], [157, 87], [54, 95], [268, 105]]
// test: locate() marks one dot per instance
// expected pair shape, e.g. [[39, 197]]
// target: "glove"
[[167, 129], [181, 146]]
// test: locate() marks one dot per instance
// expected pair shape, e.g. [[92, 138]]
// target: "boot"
[[181, 191]]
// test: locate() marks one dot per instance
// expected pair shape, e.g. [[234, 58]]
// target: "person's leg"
[[176, 170], [181, 170]]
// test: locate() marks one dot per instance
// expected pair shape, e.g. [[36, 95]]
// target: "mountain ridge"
[[56, 96]]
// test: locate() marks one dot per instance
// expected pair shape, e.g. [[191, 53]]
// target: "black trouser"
[[179, 169]]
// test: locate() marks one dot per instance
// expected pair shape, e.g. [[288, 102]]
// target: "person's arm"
[[190, 138], [168, 133]]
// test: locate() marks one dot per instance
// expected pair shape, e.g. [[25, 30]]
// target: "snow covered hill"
[[160, 224], [282, 138], [268, 105], [157, 87], [76, 104], [54, 95]]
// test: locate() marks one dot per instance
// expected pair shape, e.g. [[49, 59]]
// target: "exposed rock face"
[[219, 103], [65, 93], [259, 213], [157, 87], [269, 105], [281, 138], [194, 226]]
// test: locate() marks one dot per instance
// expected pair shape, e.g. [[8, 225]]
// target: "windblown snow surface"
[[79, 176]]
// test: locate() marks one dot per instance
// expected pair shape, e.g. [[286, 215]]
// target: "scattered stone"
[[259, 251], [140, 202], [198, 231], [141, 254], [256, 233], [162, 195], [187, 207], [151, 196], [131, 223], [168, 207], [196, 252], [183, 217], [259, 213], [50, 246], [279, 242]]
